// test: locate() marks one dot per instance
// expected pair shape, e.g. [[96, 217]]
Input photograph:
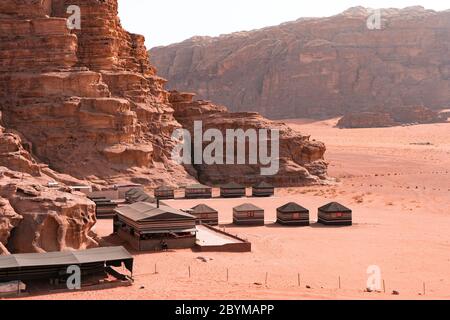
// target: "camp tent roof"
[[135, 192], [66, 258], [334, 207], [128, 185], [247, 207], [292, 207], [198, 186], [202, 208], [144, 211], [232, 185], [263, 184], [139, 195], [165, 188]]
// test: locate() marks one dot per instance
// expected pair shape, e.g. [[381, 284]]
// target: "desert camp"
[[175, 150]]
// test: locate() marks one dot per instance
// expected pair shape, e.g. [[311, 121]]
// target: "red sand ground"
[[400, 196]]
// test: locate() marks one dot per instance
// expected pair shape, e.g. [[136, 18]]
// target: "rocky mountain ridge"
[[320, 67]]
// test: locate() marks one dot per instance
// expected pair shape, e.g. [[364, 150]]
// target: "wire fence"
[[203, 274]]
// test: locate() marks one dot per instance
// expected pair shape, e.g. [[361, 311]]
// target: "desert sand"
[[396, 180]]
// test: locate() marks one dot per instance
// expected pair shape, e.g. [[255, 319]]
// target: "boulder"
[[301, 160]]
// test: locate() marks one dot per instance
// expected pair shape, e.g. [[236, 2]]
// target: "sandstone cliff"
[[319, 67], [33, 217], [388, 118], [88, 101], [86, 106], [301, 160]]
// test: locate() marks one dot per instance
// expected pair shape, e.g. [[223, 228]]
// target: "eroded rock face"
[[81, 106], [301, 160], [398, 116], [9, 219], [42, 219], [416, 114], [88, 100], [34, 218], [366, 120], [13, 154], [317, 68]]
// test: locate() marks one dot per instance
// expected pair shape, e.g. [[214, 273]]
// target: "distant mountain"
[[320, 67]]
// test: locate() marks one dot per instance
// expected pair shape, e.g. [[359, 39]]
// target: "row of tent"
[[289, 214], [105, 206], [229, 190]]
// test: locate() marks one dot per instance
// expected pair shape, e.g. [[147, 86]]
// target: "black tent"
[[293, 214], [232, 190], [335, 214], [263, 189], [164, 192], [205, 214]]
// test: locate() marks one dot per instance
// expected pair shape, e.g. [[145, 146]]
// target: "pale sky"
[[163, 22]]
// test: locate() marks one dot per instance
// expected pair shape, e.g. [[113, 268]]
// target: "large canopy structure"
[[38, 266], [145, 226]]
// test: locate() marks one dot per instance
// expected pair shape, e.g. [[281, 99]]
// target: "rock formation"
[[389, 118], [301, 160], [35, 218], [366, 120], [9, 219], [416, 114], [88, 101], [322, 67], [86, 106]]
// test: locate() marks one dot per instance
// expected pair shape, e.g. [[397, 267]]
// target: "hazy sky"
[[168, 21]]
